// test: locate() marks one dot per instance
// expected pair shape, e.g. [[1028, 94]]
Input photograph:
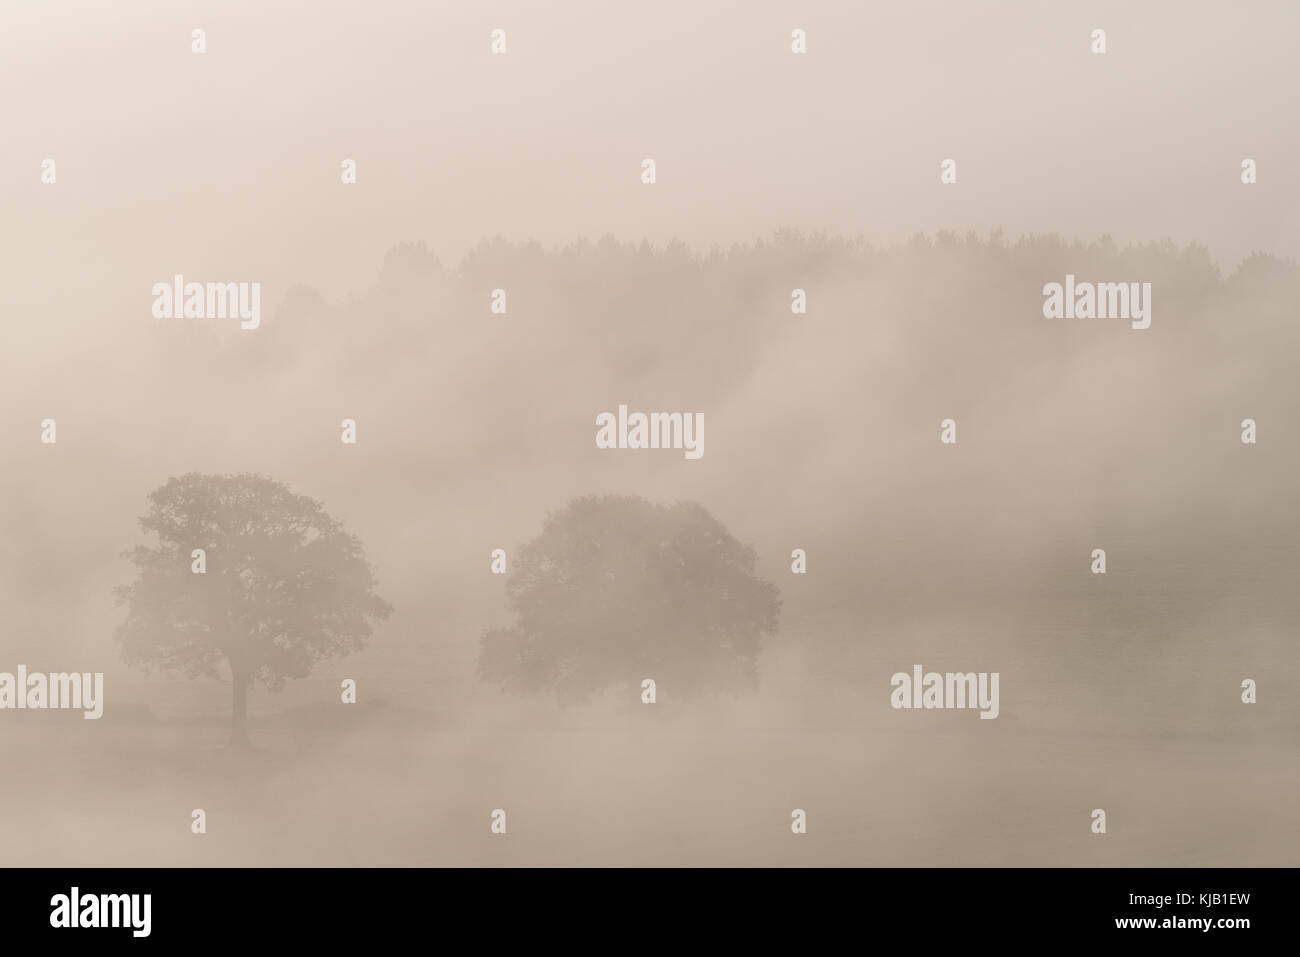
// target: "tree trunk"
[[239, 709]]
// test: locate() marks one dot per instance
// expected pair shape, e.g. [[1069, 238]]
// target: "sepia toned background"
[[775, 171]]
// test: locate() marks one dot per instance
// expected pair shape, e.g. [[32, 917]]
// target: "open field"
[[407, 789]]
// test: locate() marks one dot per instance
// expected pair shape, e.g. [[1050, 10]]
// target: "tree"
[[617, 589], [284, 585]]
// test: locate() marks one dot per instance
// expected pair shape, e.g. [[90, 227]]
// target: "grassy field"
[[409, 788]]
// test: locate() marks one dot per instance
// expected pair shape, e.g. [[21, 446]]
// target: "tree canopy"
[[616, 589], [283, 584]]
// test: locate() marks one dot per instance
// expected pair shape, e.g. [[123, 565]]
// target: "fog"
[[775, 172]]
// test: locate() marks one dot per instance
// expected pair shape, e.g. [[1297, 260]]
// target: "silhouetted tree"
[[617, 589], [284, 585]]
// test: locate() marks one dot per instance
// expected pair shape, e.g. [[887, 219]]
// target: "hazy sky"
[[229, 162]]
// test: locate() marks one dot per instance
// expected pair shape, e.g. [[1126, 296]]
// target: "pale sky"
[[229, 162]]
